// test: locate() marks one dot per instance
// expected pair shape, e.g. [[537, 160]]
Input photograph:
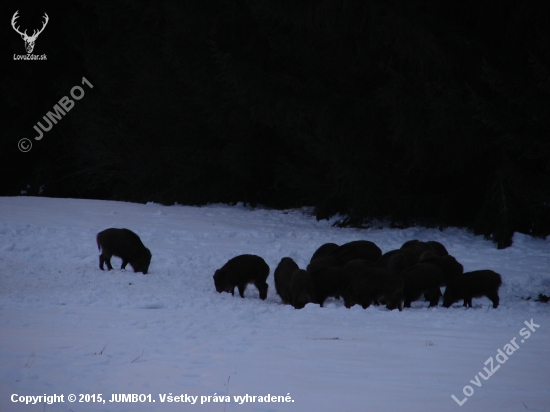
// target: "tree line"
[[415, 112]]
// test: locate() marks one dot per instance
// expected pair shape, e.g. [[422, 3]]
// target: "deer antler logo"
[[29, 40]]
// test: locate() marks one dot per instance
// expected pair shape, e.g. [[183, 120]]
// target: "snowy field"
[[67, 327]]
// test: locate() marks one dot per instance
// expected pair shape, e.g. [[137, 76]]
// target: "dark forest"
[[415, 112]]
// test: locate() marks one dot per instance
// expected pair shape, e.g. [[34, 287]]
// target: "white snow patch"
[[68, 327]]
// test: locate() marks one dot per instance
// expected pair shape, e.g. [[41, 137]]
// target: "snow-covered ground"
[[68, 328]]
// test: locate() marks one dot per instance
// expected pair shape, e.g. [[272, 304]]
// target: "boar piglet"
[[126, 245], [239, 272], [473, 285]]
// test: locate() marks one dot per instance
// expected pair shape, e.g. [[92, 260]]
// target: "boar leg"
[[107, 259], [400, 304], [262, 288], [434, 297], [494, 298], [241, 290]]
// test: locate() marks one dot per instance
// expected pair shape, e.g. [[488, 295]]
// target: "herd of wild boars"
[[360, 274], [357, 272]]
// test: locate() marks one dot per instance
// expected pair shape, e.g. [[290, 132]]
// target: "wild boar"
[[409, 255], [422, 279], [359, 264], [327, 282], [358, 249], [283, 276], [323, 262], [420, 247], [400, 261], [427, 254], [438, 247], [356, 268], [473, 285], [323, 250], [126, 245], [447, 264], [301, 289], [417, 246], [372, 285], [240, 271]]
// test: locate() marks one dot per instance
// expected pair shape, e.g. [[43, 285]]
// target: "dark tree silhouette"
[[414, 111]]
